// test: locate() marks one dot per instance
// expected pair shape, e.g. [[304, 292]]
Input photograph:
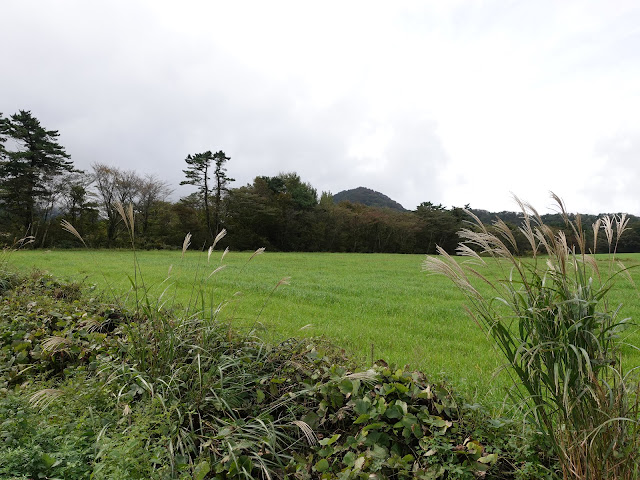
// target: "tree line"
[[40, 187]]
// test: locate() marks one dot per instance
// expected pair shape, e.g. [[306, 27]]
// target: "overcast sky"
[[453, 102]]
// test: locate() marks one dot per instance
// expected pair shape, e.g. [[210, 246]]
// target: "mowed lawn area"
[[378, 304]]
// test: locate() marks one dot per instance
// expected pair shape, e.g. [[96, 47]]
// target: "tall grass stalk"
[[549, 316], [193, 369]]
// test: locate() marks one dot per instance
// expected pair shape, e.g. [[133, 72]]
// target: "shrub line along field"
[[369, 304]]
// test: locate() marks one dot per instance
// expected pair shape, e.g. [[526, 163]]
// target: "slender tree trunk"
[[216, 218], [206, 203]]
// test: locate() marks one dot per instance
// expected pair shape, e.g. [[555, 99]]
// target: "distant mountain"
[[368, 197]]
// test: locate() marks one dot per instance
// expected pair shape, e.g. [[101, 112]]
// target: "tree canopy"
[[197, 174], [29, 167], [39, 187]]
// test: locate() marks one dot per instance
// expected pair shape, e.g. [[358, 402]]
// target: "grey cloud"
[[612, 185], [127, 84], [411, 166]]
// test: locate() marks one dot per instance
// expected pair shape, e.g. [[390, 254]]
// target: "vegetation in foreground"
[[552, 320], [357, 301], [90, 389], [179, 394]]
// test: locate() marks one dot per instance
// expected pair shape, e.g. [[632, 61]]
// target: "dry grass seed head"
[[450, 269], [625, 273], [466, 251], [589, 260], [186, 242], [528, 233], [259, 251], [221, 267], [529, 213], [55, 344], [66, 226], [506, 232], [92, 325], [219, 237], [479, 239], [476, 220], [368, 376], [621, 226], [607, 226], [43, 398], [546, 238], [307, 431], [561, 208], [127, 216], [596, 229]]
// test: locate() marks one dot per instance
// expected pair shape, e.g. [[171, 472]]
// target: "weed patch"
[[80, 398]]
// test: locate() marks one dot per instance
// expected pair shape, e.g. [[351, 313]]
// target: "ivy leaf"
[[490, 459], [329, 441], [322, 465], [201, 470]]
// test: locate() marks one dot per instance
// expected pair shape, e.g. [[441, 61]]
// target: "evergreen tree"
[[222, 182], [28, 170], [197, 174]]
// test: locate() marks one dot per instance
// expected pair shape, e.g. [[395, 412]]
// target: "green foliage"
[[47, 328], [29, 170], [206, 401], [9, 277], [198, 174], [54, 442], [354, 300], [551, 319], [392, 423], [283, 213], [368, 197]]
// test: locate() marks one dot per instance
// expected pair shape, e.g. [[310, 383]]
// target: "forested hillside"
[[40, 187], [367, 197]]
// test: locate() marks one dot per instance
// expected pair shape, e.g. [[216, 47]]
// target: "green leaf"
[[48, 460], [361, 419], [379, 452], [373, 426], [329, 441], [362, 406], [401, 387], [346, 386], [322, 465], [490, 459], [201, 470], [395, 411], [349, 459]]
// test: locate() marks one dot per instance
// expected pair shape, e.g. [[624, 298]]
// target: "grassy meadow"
[[379, 305]]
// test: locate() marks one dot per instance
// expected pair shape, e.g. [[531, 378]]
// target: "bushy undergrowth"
[[91, 390]]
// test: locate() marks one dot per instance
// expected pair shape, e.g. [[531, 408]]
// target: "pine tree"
[[28, 169], [197, 174], [221, 188]]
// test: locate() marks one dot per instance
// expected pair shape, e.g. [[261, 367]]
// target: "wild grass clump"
[[8, 276], [549, 316]]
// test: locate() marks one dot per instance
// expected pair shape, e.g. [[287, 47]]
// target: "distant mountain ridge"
[[367, 197]]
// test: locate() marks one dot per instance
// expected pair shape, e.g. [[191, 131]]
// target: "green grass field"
[[359, 302]]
